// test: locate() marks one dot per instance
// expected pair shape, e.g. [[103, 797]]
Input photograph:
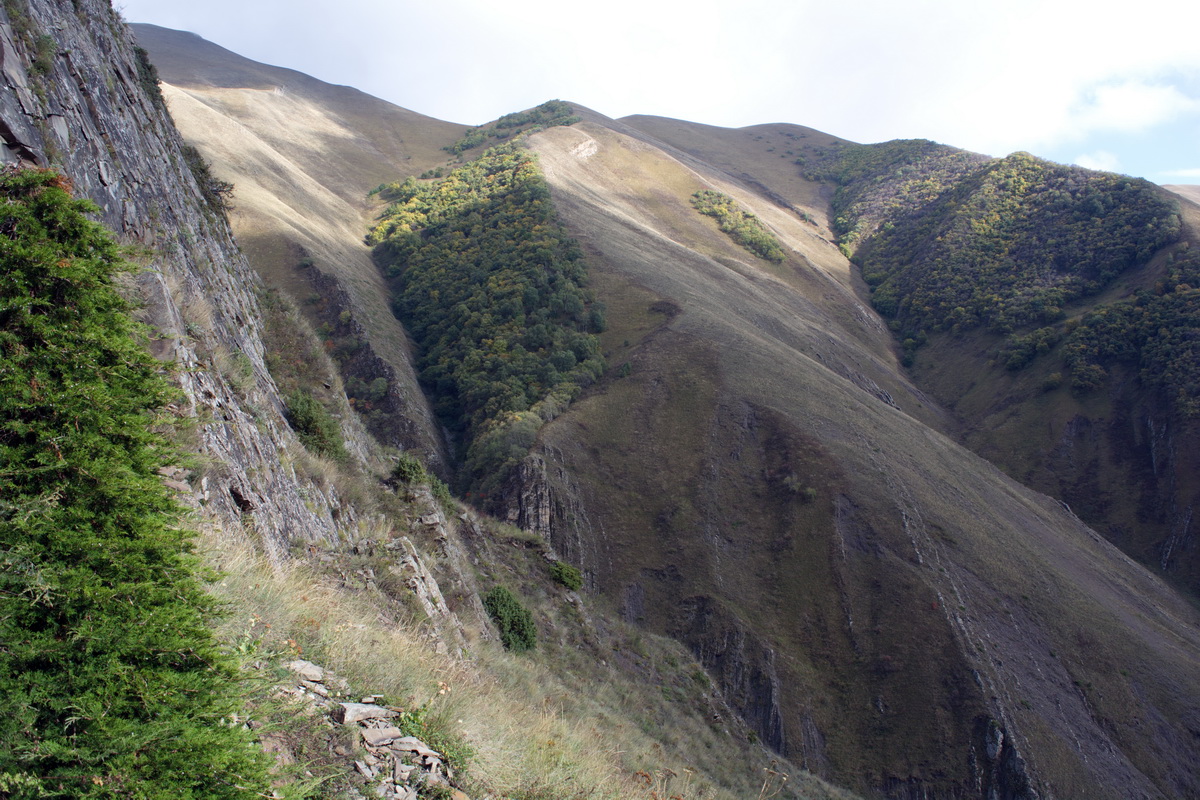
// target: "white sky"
[[1104, 84]]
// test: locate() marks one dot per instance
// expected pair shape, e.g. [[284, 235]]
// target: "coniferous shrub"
[[517, 629], [111, 684], [316, 427], [217, 194], [567, 575], [148, 78], [409, 469]]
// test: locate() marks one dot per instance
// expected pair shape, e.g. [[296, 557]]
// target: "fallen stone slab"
[[412, 744], [306, 670], [380, 737], [349, 713]]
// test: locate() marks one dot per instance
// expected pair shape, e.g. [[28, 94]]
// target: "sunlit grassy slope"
[[599, 709], [302, 155], [913, 591]]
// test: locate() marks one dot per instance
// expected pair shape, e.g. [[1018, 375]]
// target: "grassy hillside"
[[749, 486], [1045, 294], [1189, 192], [116, 686], [302, 156], [530, 720]]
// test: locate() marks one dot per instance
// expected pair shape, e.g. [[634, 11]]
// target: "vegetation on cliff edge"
[[111, 684]]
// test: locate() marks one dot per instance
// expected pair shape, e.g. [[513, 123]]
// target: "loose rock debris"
[[394, 765]]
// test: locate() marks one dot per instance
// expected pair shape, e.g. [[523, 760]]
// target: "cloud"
[[1099, 159], [1129, 106], [993, 76], [1182, 173]]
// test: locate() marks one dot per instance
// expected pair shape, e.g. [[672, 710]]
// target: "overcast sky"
[[1104, 84]]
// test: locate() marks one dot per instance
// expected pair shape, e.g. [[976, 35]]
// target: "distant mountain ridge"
[[756, 474]]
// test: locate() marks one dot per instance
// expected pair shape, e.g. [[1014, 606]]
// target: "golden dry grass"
[[1190, 192], [536, 732], [302, 156]]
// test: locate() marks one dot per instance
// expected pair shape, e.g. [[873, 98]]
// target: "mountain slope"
[[912, 545], [1050, 308], [302, 155], [261, 504], [1191, 192], [763, 482]]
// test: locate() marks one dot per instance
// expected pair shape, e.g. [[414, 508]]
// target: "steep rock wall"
[[304, 155], [74, 99]]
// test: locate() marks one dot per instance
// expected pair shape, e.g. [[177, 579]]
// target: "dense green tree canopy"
[[1004, 244], [492, 289], [950, 241], [110, 682], [1157, 332], [547, 115]]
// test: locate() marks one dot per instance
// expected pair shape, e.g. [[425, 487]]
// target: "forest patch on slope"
[[547, 115], [950, 241], [737, 223], [493, 291]]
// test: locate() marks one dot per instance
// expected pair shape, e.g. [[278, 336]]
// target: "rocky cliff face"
[[302, 205], [76, 99]]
